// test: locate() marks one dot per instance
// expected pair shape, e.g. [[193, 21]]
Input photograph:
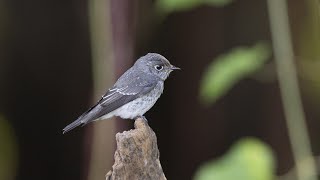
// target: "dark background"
[[46, 82]]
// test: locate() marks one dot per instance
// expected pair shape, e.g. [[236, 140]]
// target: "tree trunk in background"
[[123, 33], [100, 138]]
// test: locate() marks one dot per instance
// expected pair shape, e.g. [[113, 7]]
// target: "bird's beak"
[[174, 68]]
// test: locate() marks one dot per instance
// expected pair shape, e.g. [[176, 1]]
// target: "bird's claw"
[[143, 117]]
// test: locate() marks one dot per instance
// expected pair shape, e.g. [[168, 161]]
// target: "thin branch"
[[290, 94]]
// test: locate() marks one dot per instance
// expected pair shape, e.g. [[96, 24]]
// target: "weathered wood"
[[137, 155]]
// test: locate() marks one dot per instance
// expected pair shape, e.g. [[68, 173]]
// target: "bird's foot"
[[143, 117]]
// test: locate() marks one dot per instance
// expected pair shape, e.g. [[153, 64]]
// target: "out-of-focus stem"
[[102, 146], [290, 94]]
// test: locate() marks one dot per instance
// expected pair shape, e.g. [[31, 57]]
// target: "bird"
[[133, 94]]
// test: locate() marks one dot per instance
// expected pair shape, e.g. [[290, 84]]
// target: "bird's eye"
[[158, 67]]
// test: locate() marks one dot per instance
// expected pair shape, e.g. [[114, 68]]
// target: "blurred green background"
[[233, 112]]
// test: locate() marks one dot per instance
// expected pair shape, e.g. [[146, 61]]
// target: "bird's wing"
[[118, 96], [115, 97]]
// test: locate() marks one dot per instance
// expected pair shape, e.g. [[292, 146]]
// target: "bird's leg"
[[143, 117]]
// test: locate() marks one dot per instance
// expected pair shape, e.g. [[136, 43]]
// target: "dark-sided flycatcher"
[[134, 93]]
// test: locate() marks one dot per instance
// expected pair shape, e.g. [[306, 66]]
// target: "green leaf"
[[226, 70], [248, 159], [169, 6]]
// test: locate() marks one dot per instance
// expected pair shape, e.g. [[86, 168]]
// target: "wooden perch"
[[137, 155]]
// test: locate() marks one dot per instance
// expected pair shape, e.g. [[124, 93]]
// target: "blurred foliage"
[[309, 29], [168, 6], [229, 68], [248, 159], [8, 151], [307, 49]]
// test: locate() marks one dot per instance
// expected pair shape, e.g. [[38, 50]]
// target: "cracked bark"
[[137, 155]]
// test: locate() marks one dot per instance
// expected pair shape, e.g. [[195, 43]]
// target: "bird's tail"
[[73, 125], [87, 117]]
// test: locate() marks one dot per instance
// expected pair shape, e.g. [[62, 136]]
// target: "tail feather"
[[73, 125], [82, 120], [89, 116]]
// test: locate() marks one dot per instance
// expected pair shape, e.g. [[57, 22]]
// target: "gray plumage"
[[134, 93]]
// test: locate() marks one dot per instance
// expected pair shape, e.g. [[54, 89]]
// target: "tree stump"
[[137, 155]]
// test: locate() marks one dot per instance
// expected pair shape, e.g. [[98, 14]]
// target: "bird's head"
[[155, 64]]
